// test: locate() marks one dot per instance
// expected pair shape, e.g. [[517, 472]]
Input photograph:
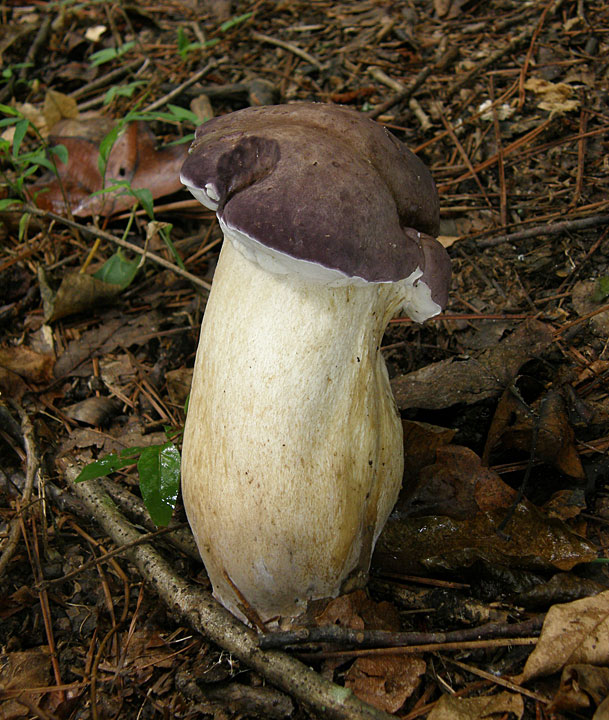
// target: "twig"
[[107, 79], [117, 241], [176, 91], [32, 465], [405, 94], [204, 614], [553, 228], [527, 60], [420, 649], [499, 680], [487, 62], [377, 638], [294, 49]]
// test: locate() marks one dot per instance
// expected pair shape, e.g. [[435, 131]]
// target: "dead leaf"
[[463, 504], [78, 292], [95, 411], [385, 682], [178, 384], [456, 485], [581, 687], [358, 612], [572, 634], [583, 301], [449, 707], [471, 379], [20, 672], [554, 97], [33, 367], [58, 106], [515, 424], [133, 159], [421, 440]]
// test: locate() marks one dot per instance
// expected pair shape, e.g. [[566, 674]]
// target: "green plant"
[[158, 468], [122, 91], [601, 289], [107, 54], [21, 163]]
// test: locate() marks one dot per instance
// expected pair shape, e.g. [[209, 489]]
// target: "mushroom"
[[292, 454]]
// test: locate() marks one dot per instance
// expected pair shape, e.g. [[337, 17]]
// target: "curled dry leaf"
[[20, 672], [449, 707], [463, 504], [358, 612], [516, 426], [581, 687], [78, 292], [572, 634], [386, 681], [32, 366], [421, 440], [96, 411], [133, 159], [557, 98], [469, 380]]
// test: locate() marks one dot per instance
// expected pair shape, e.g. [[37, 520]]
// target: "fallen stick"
[[199, 609]]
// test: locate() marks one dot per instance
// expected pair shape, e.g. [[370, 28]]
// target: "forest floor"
[[489, 590]]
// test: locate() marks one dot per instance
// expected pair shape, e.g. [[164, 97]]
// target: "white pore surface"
[[417, 301]]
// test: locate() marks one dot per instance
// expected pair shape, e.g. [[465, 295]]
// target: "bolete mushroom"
[[292, 455]]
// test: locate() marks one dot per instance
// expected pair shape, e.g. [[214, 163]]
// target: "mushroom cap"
[[322, 184]]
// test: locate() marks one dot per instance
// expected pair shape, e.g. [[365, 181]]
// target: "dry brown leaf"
[[459, 505], [469, 380], [178, 384], [358, 612], [583, 301], [581, 687], [78, 292], [572, 634], [555, 97], [133, 158], [20, 672], [95, 411], [514, 426], [31, 366], [421, 440], [58, 106], [477, 708], [456, 485], [386, 681]]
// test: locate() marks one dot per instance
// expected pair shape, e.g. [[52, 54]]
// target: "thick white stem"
[[292, 456]]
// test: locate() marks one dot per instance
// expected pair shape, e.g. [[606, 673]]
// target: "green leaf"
[[117, 270], [145, 198], [20, 130], [9, 204], [23, 223], [229, 24], [159, 470], [165, 234], [601, 290], [104, 56], [108, 464], [61, 151], [8, 110], [121, 91], [105, 147], [183, 114]]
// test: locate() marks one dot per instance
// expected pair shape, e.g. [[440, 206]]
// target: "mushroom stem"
[[292, 455]]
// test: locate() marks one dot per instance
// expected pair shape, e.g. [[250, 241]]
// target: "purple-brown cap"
[[322, 184]]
